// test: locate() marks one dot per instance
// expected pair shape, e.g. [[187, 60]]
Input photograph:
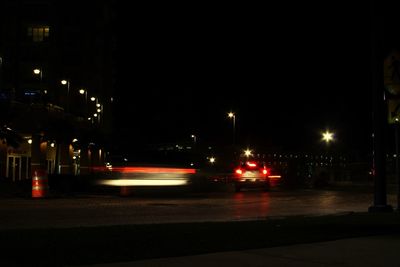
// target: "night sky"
[[287, 71]]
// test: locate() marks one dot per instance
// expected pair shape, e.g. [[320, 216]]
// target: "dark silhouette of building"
[[56, 85]]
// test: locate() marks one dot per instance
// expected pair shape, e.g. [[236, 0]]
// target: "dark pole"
[[396, 143], [234, 130], [379, 108]]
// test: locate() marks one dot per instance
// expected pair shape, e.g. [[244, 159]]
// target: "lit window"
[[39, 33]]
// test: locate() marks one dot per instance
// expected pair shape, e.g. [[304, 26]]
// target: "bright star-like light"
[[247, 152], [327, 137]]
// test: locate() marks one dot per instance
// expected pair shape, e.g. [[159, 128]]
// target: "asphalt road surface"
[[94, 210]]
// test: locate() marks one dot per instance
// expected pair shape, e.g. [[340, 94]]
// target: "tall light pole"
[[194, 138], [66, 82], [39, 72], [84, 92], [378, 108], [99, 109], [94, 99], [233, 117]]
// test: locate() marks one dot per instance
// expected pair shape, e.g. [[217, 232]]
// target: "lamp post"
[[84, 92], [233, 117], [99, 109], [397, 173], [194, 138], [66, 82], [39, 72], [95, 115]]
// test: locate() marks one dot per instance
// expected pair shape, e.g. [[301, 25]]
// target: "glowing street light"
[[37, 71], [83, 91], [233, 117], [247, 152], [66, 82], [194, 138], [327, 137], [212, 160]]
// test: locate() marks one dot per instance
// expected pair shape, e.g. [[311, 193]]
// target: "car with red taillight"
[[251, 174]]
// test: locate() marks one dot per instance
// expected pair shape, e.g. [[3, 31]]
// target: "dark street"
[[96, 210]]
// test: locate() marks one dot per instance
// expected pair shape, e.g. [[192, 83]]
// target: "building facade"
[[56, 83]]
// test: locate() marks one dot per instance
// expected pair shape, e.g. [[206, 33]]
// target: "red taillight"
[[239, 171], [265, 171]]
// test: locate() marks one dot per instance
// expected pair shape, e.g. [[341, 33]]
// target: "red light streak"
[[153, 170]]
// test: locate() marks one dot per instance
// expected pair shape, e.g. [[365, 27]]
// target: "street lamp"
[[194, 138], [66, 82], [327, 137], [233, 117], [84, 92], [39, 72], [247, 152], [212, 160]]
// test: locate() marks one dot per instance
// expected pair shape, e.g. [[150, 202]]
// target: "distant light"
[[45, 91], [64, 82], [74, 140], [247, 152], [231, 114], [89, 118], [265, 171], [74, 157], [212, 160], [327, 136], [82, 91], [29, 141], [98, 105], [191, 164], [36, 71], [239, 171], [52, 144], [95, 114], [98, 110], [92, 98]]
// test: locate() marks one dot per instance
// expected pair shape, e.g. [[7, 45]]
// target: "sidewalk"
[[371, 251]]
